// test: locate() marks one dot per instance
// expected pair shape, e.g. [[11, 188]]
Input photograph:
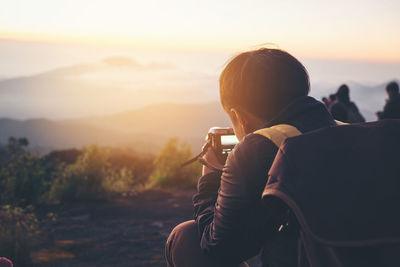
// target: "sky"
[[53, 52], [353, 30]]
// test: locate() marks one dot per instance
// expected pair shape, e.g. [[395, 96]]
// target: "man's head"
[[343, 93], [256, 85], [392, 89]]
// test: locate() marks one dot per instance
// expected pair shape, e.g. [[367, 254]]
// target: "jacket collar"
[[300, 108]]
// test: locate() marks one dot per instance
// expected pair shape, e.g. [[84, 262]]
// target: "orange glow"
[[361, 30]]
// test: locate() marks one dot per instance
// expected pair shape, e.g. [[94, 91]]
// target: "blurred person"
[[258, 89], [329, 100], [325, 101], [332, 98], [343, 109], [391, 109]]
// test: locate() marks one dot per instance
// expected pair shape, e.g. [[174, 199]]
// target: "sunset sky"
[[356, 30], [55, 54]]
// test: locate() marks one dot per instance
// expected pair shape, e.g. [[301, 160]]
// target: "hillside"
[[189, 120], [145, 129], [109, 86]]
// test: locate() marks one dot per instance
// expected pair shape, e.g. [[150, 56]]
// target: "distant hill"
[[145, 129], [189, 120], [109, 86]]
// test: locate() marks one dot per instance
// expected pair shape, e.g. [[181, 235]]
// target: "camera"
[[222, 141]]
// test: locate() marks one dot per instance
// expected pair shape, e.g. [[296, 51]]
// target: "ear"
[[240, 118]]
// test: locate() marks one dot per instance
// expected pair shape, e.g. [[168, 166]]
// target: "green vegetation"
[[23, 176], [18, 233], [29, 181], [168, 172], [100, 174]]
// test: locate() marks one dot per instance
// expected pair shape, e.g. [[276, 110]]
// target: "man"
[[343, 109], [392, 107], [258, 89]]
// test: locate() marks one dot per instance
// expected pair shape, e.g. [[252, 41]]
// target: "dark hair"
[[343, 93], [393, 87], [263, 82]]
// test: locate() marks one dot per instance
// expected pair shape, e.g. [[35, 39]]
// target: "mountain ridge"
[[146, 128]]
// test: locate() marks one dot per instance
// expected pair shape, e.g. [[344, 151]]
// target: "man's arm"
[[205, 198], [339, 112], [387, 111], [232, 221]]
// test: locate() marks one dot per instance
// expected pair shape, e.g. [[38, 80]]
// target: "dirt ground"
[[128, 231]]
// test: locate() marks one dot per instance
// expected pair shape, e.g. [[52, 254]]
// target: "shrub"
[[139, 166], [18, 234], [84, 179], [120, 181], [168, 172], [67, 156], [24, 181], [100, 174], [23, 177]]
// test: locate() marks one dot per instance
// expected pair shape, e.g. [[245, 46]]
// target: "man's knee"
[[183, 239], [184, 232], [183, 248]]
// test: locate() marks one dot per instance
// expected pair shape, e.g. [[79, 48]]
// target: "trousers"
[[182, 248]]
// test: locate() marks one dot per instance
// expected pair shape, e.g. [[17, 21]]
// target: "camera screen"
[[228, 140]]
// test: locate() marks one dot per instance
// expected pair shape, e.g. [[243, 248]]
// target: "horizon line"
[[102, 41]]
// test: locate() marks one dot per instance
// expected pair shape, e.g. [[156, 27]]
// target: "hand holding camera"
[[212, 160], [219, 143]]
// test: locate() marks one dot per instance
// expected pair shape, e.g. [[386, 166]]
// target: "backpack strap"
[[278, 133]]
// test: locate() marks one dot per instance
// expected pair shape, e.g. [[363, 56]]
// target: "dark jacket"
[[346, 112], [391, 109], [228, 208]]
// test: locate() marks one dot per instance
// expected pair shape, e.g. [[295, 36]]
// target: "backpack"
[[342, 184]]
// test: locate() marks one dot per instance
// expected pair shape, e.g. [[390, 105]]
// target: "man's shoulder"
[[252, 147], [396, 100], [338, 105], [248, 164], [253, 141]]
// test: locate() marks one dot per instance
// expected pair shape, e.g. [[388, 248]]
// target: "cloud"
[[127, 62], [121, 62]]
